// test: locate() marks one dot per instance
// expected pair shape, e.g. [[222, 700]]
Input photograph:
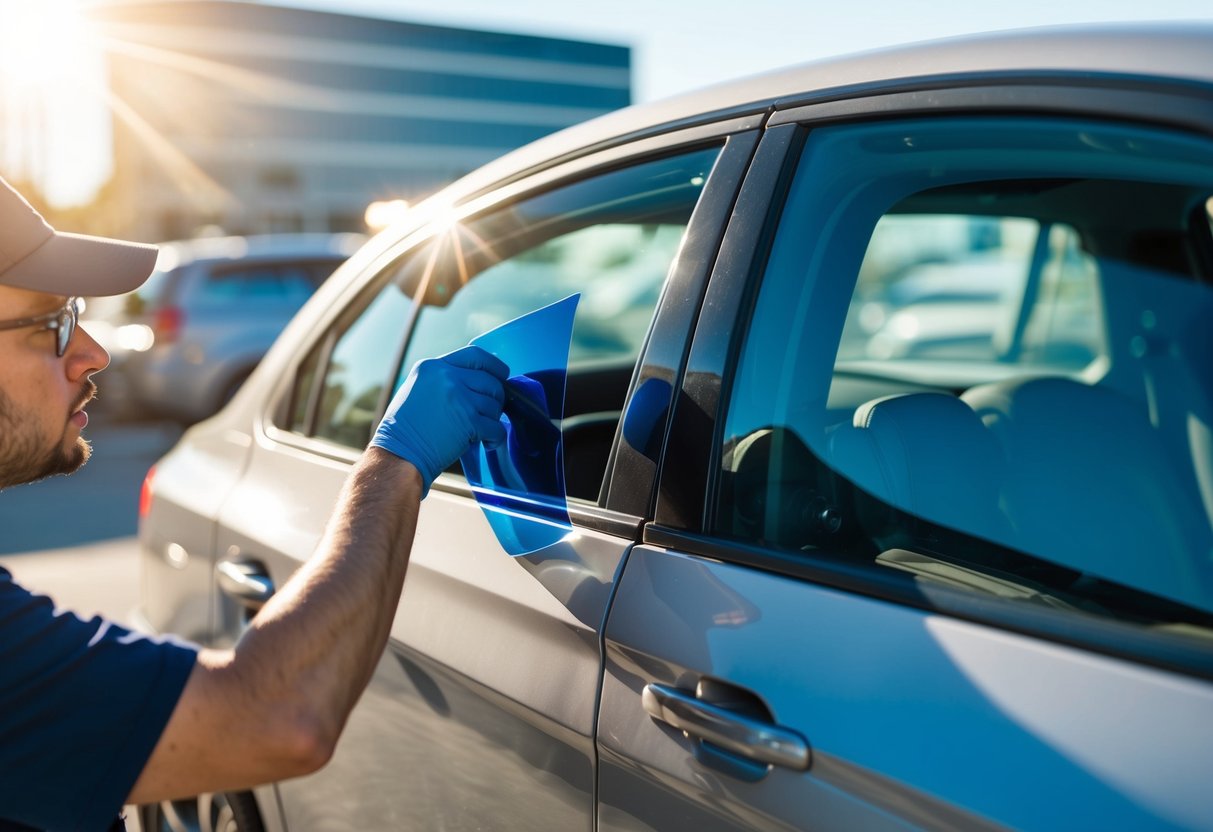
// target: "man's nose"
[[84, 355]]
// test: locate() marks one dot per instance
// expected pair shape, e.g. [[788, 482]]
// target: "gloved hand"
[[444, 406]]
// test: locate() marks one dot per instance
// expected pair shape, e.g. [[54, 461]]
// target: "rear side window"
[[992, 370], [288, 283], [144, 300], [612, 238]]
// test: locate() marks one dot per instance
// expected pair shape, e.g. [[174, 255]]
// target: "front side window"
[[612, 238], [357, 367], [979, 356]]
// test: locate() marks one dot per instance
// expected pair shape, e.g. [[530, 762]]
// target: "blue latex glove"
[[445, 406]]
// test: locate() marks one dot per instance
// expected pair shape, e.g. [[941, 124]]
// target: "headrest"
[[924, 453]]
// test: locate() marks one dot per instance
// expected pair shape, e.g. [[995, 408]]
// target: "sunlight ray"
[[482, 245], [256, 85], [193, 181], [428, 275], [265, 88], [460, 263]]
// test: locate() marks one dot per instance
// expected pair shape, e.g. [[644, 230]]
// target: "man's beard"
[[23, 455]]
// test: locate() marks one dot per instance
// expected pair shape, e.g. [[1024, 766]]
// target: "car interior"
[[930, 462]]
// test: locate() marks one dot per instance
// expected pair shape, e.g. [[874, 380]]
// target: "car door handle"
[[246, 580], [751, 738]]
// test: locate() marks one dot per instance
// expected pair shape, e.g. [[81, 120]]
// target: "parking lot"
[[74, 537], [828, 448]]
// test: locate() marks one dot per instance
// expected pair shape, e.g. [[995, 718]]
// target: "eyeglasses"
[[62, 322]]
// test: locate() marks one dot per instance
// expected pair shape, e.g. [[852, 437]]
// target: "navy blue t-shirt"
[[82, 704]]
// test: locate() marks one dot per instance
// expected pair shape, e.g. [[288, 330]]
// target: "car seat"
[[926, 455], [776, 491], [1089, 484]]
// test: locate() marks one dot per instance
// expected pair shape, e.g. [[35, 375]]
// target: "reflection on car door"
[[481, 712], [867, 604]]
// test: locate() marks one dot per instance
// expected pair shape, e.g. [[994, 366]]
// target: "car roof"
[[1181, 52]]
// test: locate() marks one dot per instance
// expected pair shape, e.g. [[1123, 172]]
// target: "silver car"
[[184, 342], [807, 582]]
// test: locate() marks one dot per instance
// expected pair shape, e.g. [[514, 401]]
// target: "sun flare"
[[44, 46], [53, 123]]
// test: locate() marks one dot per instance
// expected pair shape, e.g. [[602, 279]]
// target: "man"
[[91, 716]]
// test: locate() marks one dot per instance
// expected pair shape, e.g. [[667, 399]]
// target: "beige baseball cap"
[[35, 256]]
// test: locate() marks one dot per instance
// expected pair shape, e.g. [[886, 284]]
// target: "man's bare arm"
[[274, 705]]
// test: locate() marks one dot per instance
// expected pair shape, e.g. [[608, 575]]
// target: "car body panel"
[[441, 698], [464, 719], [177, 536], [924, 720]]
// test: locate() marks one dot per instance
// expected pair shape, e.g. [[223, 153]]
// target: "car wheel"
[[235, 812]]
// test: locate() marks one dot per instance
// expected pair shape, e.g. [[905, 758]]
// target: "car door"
[[935, 558], [481, 712]]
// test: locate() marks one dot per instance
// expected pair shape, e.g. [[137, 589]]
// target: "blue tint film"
[[520, 483]]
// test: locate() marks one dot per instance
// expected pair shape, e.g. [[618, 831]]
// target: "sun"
[[54, 123], [44, 44]]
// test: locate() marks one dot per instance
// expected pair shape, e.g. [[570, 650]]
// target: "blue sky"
[[679, 44]]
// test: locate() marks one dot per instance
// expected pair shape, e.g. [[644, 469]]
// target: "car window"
[[612, 238], [283, 282], [952, 287], [618, 268], [357, 368], [299, 404], [979, 357], [147, 297]]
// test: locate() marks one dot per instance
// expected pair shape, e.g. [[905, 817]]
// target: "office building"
[[258, 118]]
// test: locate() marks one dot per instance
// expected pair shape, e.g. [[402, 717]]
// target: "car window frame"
[[668, 334], [686, 491]]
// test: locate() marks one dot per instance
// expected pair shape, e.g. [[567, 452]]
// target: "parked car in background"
[[183, 342], [816, 577]]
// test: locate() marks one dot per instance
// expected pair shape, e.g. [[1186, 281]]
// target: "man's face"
[[41, 394]]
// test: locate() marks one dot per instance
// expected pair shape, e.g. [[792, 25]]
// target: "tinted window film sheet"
[[520, 483]]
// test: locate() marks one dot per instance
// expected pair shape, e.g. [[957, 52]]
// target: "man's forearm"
[[323, 632], [281, 697]]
